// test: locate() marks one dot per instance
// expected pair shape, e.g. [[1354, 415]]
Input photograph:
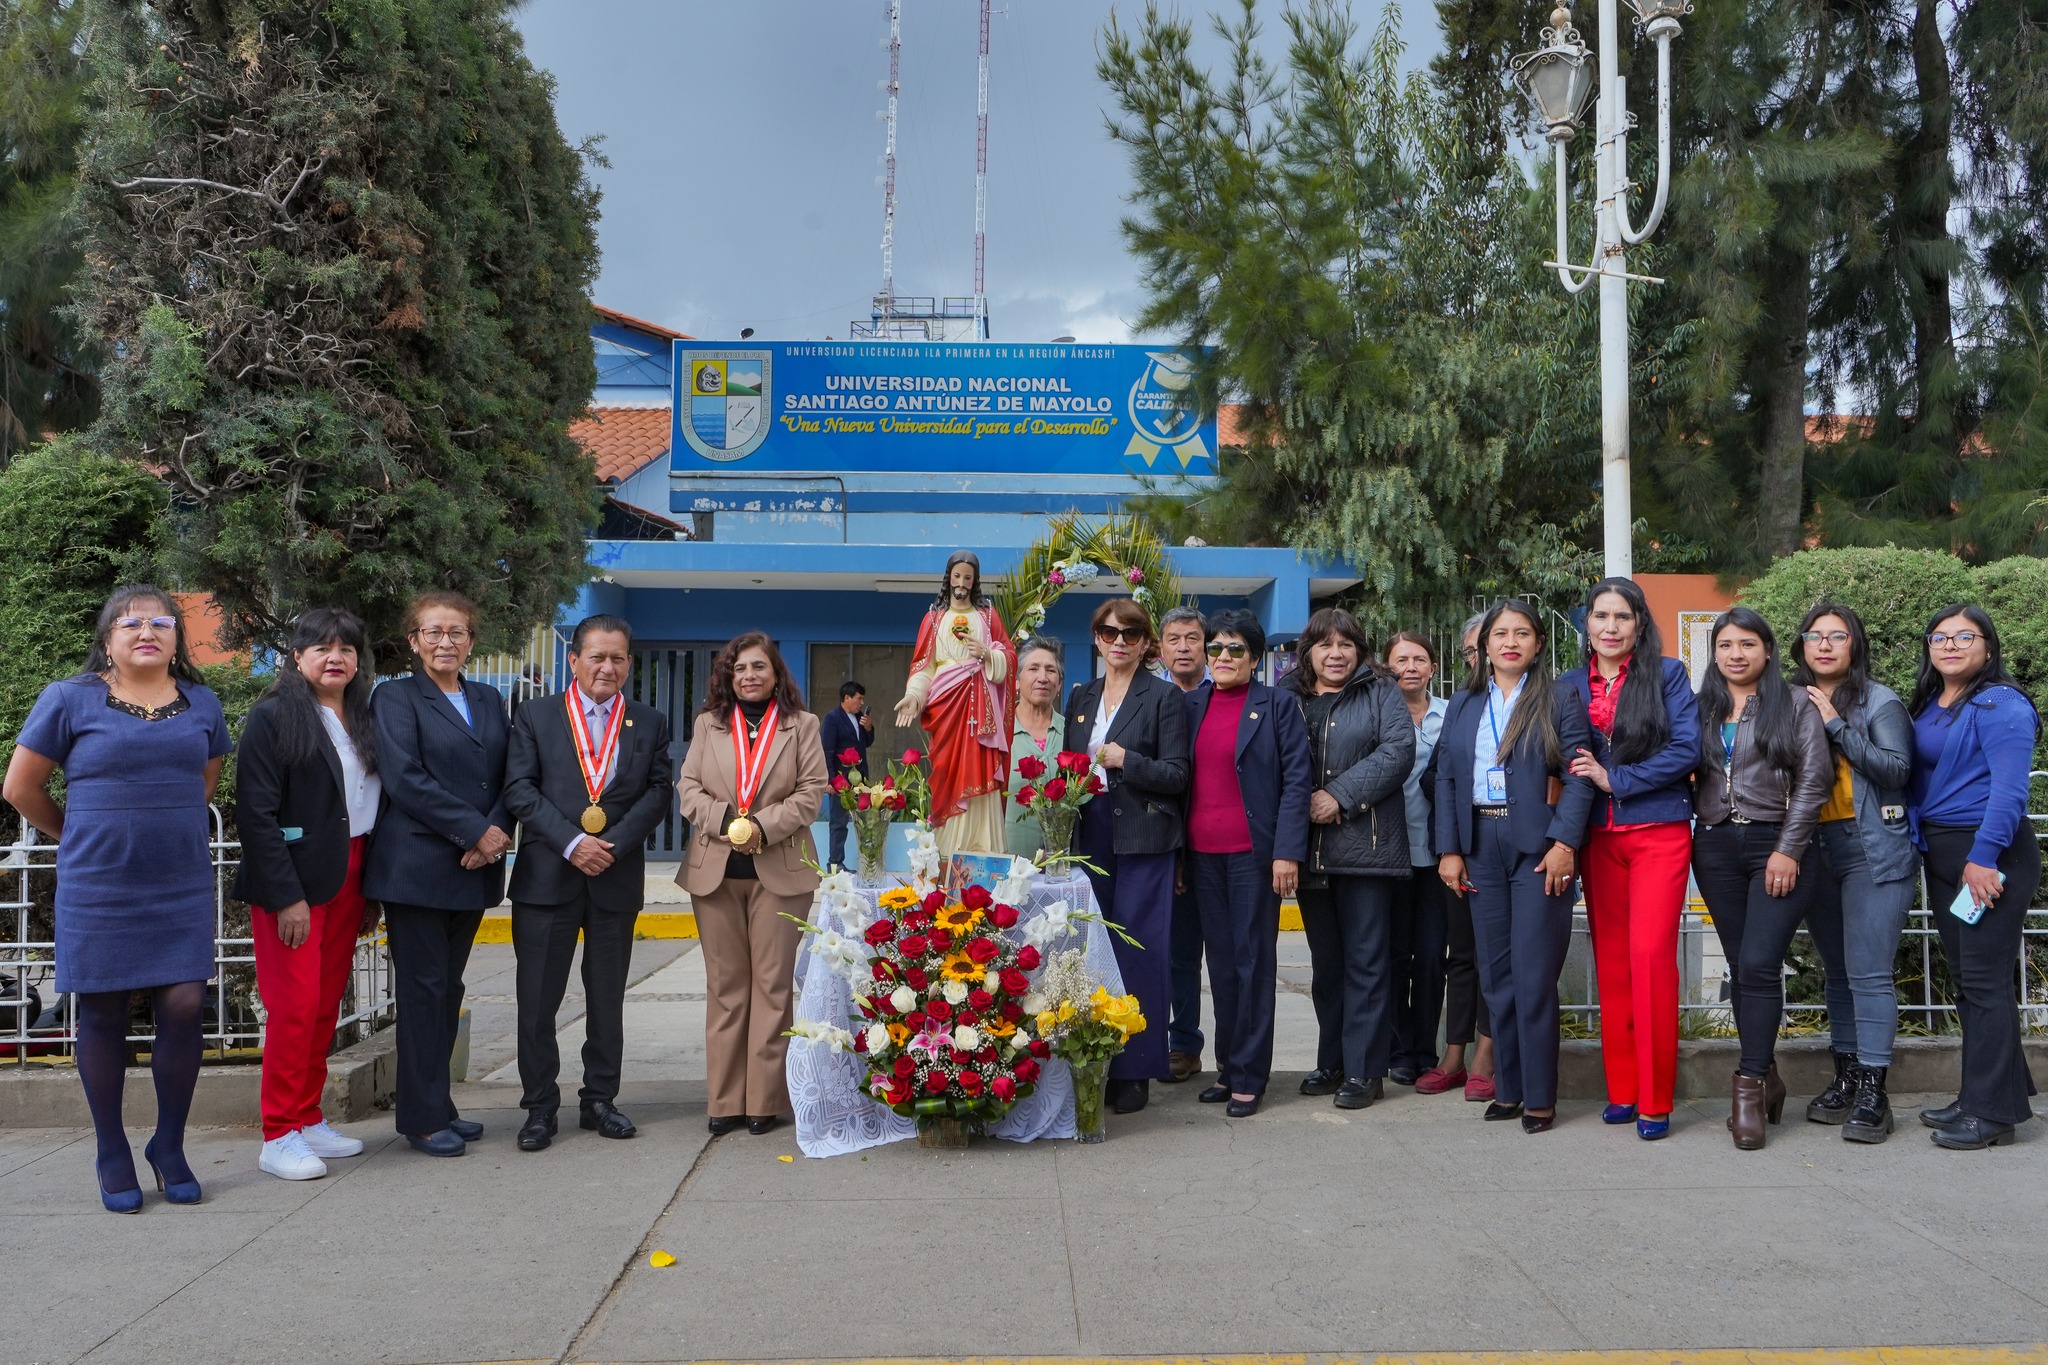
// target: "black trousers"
[[429, 949], [1419, 937], [544, 942], [1982, 959], [1241, 933], [1465, 1015], [1755, 927], [1352, 982]]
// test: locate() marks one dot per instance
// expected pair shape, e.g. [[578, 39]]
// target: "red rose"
[[905, 1068], [1040, 1048], [1026, 1070], [936, 1081], [884, 970], [1031, 767], [867, 1011], [895, 801], [976, 897], [888, 782], [840, 784], [914, 946], [1012, 1011], [970, 1082], [1094, 784], [941, 941], [1056, 789], [1003, 917], [916, 979], [1072, 762], [935, 901], [880, 932], [860, 1040], [899, 1093], [980, 999], [967, 1017], [1026, 794], [982, 950], [959, 1058], [1014, 981], [911, 758], [939, 1010], [1027, 958], [850, 757], [863, 801], [985, 1056], [914, 1020], [1003, 1088]]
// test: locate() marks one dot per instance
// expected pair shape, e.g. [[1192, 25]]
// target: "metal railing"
[[36, 1023]]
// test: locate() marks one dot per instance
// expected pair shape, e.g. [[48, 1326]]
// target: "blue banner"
[[935, 407]]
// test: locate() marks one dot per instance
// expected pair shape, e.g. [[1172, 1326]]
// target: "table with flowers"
[[828, 1073]]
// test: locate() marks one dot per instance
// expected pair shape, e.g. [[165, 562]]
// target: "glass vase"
[[1055, 832], [871, 838], [1091, 1080]]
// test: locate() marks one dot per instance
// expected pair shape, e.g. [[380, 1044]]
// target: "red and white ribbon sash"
[[751, 760], [595, 761]]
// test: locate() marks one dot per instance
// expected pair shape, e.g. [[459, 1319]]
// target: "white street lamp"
[[1558, 80]]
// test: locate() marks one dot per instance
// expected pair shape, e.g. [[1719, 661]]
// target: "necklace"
[[142, 709]]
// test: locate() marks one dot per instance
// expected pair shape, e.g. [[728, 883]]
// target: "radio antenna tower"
[[886, 300], [980, 181]]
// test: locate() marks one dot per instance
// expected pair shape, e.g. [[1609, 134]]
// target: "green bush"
[[1894, 591], [2015, 592]]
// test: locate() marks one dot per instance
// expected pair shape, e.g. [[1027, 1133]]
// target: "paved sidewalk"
[[1409, 1227]]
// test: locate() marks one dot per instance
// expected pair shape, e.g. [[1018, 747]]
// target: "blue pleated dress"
[[135, 878]]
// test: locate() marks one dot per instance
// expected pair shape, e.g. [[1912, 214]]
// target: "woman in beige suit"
[[750, 788]]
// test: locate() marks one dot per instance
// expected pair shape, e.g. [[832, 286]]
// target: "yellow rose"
[[1048, 1020]]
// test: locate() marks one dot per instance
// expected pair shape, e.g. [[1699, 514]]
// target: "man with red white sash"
[[588, 776]]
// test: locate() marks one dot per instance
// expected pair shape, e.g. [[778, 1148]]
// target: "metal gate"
[[670, 678]]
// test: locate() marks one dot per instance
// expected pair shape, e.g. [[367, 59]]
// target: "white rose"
[[878, 1037], [1034, 1003], [956, 991], [966, 1039], [904, 999]]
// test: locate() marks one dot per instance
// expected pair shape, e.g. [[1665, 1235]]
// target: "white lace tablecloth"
[[833, 1116]]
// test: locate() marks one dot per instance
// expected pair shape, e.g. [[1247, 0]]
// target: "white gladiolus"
[[904, 999], [966, 1039], [1051, 925], [1015, 886]]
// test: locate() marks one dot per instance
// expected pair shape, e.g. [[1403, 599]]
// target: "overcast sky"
[[745, 149]]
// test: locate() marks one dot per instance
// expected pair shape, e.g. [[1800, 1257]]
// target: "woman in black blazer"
[[1509, 819], [306, 800], [1134, 724], [439, 860]]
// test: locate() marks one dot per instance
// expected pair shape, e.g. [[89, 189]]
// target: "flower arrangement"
[[1055, 796], [1077, 553], [1087, 1026], [902, 790]]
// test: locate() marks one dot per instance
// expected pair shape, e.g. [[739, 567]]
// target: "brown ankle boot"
[[1774, 1095], [1746, 1116]]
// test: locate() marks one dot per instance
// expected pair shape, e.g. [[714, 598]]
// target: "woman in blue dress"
[[140, 741]]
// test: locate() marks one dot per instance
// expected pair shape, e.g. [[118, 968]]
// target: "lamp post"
[[1558, 78]]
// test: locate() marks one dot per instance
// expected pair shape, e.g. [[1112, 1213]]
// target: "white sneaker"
[[322, 1140], [288, 1158]]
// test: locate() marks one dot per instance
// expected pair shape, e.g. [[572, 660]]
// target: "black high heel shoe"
[[1500, 1113]]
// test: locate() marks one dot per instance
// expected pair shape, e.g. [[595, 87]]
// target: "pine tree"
[[340, 256]]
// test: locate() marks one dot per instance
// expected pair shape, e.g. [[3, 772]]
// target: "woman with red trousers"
[[1646, 743]]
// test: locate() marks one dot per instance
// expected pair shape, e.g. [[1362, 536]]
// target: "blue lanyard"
[[1494, 721]]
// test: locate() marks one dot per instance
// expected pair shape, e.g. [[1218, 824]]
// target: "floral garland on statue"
[[1076, 553]]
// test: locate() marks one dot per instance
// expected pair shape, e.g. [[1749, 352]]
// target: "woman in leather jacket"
[[1864, 882], [1764, 771]]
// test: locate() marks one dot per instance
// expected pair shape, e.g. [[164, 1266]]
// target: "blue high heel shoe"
[[116, 1201], [1618, 1113], [1649, 1130], [177, 1191]]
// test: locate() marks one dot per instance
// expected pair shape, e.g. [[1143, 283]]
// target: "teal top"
[[1020, 826]]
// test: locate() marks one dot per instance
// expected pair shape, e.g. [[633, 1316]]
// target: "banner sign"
[[935, 407]]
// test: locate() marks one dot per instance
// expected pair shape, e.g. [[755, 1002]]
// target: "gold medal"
[[593, 819], [594, 754], [740, 831]]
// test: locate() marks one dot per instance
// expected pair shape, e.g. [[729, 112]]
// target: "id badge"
[[1496, 786]]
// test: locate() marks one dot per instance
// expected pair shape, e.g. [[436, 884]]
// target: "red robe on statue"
[[969, 717]]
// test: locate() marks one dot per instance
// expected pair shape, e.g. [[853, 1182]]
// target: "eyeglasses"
[[1128, 635], [1833, 637], [1216, 649], [1962, 639], [1471, 653], [434, 635], [138, 622]]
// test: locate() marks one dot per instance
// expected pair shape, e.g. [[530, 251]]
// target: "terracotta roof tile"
[[639, 324], [623, 441]]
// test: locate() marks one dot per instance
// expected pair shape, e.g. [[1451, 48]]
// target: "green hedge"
[[1894, 591]]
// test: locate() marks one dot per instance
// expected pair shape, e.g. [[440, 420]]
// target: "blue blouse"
[[1970, 766]]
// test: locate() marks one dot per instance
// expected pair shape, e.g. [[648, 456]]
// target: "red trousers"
[[301, 989], [1635, 896]]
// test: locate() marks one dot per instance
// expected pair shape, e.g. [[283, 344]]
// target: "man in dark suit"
[[589, 777], [845, 726]]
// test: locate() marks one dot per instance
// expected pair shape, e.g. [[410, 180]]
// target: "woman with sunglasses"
[[1509, 819], [1134, 724], [1863, 884], [1973, 743], [1764, 772], [140, 741], [1645, 733]]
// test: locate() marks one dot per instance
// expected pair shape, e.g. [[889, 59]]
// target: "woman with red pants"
[[306, 798], [1646, 742]]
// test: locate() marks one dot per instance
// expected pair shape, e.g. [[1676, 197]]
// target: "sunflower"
[[897, 898], [960, 967], [899, 1033], [957, 918], [998, 1027]]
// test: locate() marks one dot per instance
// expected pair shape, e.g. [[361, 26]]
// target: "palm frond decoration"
[[1075, 552]]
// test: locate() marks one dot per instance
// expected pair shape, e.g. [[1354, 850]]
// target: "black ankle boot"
[[1832, 1104], [1870, 1118]]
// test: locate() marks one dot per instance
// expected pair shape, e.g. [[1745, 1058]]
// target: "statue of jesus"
[[962, 691]]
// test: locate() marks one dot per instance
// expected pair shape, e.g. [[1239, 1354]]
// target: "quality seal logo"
[[728, 395], [1160, 417]]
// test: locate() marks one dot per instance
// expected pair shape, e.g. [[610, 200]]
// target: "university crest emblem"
[[728, 393], [1158, 419]]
